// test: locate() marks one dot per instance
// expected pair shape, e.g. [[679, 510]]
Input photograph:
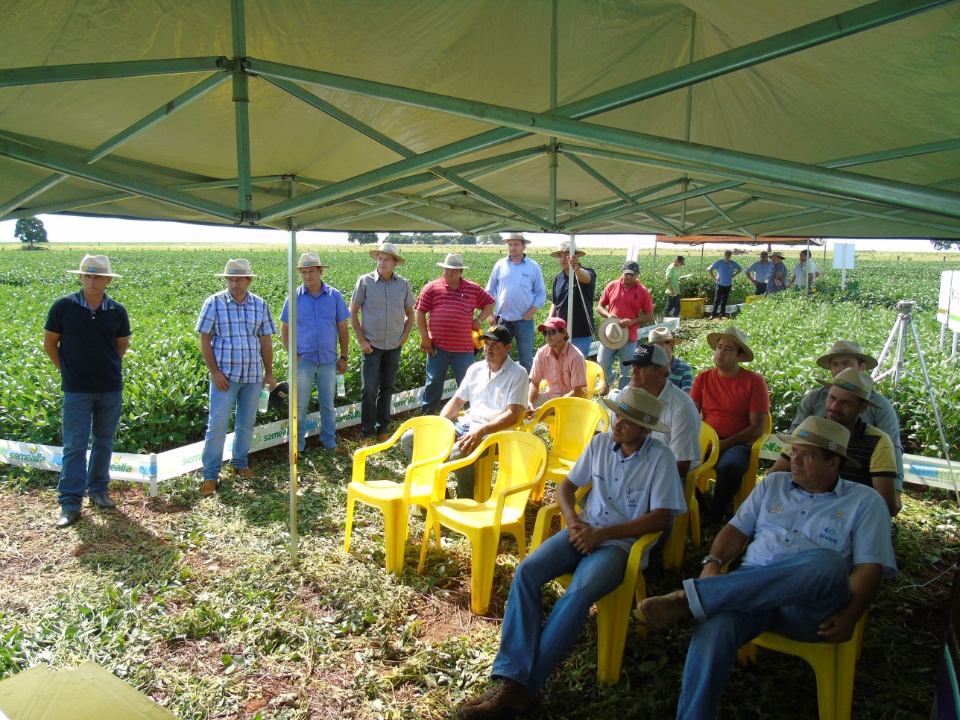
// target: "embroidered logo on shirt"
[[839, 514], [828, 535], [775, 508]]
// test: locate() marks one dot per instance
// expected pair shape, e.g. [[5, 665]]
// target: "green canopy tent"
[[640, 116]]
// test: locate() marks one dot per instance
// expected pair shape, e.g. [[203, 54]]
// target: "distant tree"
[[489, 239], [946, 244], [466, 240], [363, 238], [399, 239], [30, 230]]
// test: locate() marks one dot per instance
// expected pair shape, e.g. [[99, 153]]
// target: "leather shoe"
[[662, 611], [338, 450], [367, 442], [104, 502], [209, 487], [67, 518], [383, 437], [245, 472], [504, 700]]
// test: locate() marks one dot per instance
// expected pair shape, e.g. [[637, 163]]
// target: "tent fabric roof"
[[666, 116], [734, 240]]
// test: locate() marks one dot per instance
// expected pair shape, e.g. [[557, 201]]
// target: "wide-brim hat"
[[389, 249], [846, 347], [822, 433], [564, 249], [95, 265], [236, 268], [611, 335], [662, 334], [279, 395], [731, 333], [777, 253], [515, 236], [453, 261], [854, 381], [310, 259], [638, 407]]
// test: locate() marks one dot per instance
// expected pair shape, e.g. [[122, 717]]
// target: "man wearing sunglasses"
[[559, 363]]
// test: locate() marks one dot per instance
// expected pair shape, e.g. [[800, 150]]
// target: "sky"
[[95, 231]]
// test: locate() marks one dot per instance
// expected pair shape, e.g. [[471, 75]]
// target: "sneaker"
[[661, 611], [504, 700], [104, 502]]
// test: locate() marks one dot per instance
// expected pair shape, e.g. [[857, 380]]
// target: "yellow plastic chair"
[[523, 458], [834, 665], [595, 379], [673, 549], [432, 441], [749, 479], [614, 608], [576, 420]]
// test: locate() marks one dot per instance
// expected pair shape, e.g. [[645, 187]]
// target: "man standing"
[[86, 336], [804, 273], [777, 280], [819, 547], [681, 374], [723, 272], [321, 324], [558, 362], [517, 284], [736, 403], [581, 334], [627, 304], [636, 491], [450, 301], [758, 273], [235, 328], [496, 388], [673, 287], [381, 313]]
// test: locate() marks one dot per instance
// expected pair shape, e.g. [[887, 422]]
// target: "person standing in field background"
[[723, 272], [236, 330], [627, 304], [673, 287], [581, 333], [777, 280], [758, 273], [804, 273], [86, 336]]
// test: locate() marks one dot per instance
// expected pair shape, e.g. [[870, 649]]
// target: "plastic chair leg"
[[395, 536], [613, 615], [349, 526], [695, 524], [483, 559]]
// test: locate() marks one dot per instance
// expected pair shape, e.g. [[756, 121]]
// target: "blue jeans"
[[523, 341], [673, 306], [791, 598], [720, 297], [530, 648], [378, 373], [437, 373], [583, 345], [324, 376], [730, 468], [606, 357], [244, 398], [83, 414]]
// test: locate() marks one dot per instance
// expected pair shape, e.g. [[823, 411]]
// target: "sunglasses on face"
[[551, 332]]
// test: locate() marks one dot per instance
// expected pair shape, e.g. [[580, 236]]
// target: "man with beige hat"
[[681, 374], [777, 279], [583, 285], [735, 402], [636, 490], [625, 304], [381, 314], [321, 324], [447, 339], [516, 282], [86, 336], [236, 329], [819, 546]]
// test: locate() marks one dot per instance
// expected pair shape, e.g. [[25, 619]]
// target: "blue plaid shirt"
[[236, 329]]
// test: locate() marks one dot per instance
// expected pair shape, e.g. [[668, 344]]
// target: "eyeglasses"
[[806, 456], [551, 333]]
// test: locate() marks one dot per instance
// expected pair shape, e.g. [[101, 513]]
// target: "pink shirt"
[[627, 303], [562, 373], [451, 312]]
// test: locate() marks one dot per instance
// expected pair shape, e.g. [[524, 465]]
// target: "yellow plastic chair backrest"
[[750, 476], [594, 377]]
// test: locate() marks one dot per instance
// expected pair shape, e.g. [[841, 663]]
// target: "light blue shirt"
[[317, 319], [725, 270], [784, 519], [517, 287], [626, 488], [236, 329], [760, 271]]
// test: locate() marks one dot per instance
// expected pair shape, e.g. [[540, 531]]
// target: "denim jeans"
[[606, 357], [583, 345], [324, 376], [791, 598], [437, 373], [673, 306], [720, 297], [244, 398], [530, 648], [522, 331], [378, 373], [83, 414], [730, 468]]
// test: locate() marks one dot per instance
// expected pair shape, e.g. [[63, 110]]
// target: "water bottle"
[[264, 399], [341, 387]]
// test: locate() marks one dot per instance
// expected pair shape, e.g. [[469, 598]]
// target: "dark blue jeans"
[[720, 297], [378, 373], [673, 306], [85, 414]]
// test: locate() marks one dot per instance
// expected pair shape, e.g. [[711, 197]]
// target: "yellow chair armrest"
[[636, 552], [541, 528]]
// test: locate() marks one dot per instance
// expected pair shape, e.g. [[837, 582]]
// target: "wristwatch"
[[712, 558]]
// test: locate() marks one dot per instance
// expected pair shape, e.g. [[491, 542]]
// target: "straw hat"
[[453, 261], [777, 253], [638, 407], [731, 333], [310, 259], [389, 249], [846, 347], [564, 249], [95, 265], [662, 334], [516, 236], [611, 335], [236, 268], [852, 380], [822, 433]]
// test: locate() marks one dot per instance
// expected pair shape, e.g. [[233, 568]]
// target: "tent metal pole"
[[554, 99], [15, 77], [736, 206], [241, 105], [598, 177], [292, 383], [688, 120]]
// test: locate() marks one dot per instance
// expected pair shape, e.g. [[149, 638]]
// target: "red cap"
[[554, 323]]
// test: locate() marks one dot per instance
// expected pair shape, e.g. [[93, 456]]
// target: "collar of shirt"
[[639, 453], [836, 492], [105, 304], [324, 290]]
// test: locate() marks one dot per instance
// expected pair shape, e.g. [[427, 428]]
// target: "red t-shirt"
[[627, 303], [451, 312], [726, 402]]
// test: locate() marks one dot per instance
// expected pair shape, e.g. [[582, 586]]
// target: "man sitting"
[[496, 388], [559, 363], [636, 491], [819, 546], [870, 447], [681, 374]]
